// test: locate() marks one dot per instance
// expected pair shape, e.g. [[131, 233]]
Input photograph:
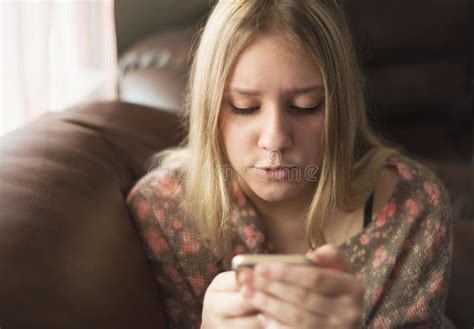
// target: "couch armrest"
[[69, 252]]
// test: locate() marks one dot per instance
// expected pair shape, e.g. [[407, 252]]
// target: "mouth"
[[274, 172], [279, 167]]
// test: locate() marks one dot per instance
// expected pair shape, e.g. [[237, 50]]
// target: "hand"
[[225, 307], [321, 296]]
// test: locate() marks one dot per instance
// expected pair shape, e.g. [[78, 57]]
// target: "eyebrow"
[[294, 91]]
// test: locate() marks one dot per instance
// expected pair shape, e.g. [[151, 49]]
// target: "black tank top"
[[368, 210]]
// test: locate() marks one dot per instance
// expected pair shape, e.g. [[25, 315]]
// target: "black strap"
[[368, 210]]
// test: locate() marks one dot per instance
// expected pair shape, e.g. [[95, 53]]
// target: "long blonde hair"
[[353, 154]]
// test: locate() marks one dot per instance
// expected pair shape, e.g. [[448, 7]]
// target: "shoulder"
[[385, 187], [155, 206], [415, 172], [160, 190], [165, 181], [418, 185]]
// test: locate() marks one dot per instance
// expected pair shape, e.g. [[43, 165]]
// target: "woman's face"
[[272, 119]]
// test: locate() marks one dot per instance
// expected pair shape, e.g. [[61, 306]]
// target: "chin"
[[274, 192]]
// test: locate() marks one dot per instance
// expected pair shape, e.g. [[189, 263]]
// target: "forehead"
[[273, 59]]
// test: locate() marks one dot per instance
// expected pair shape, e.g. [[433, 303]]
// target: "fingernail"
[[246, 277], [247, 291]]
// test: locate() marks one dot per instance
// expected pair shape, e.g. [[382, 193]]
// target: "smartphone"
[[250, 260]]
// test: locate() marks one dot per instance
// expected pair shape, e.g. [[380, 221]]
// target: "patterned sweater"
[[403, 256]]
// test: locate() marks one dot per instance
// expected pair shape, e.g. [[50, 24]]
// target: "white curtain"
[[54, 54]]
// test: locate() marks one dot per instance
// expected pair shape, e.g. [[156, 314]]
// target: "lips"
[[279, 167], [273, 172]]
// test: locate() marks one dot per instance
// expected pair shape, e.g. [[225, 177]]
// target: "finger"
[[351, 308], [319, 280], [301, 297], [244, 275], [269, 322], [230, 304], [329, 256], [225, 281], [284, 312], [249, 321]]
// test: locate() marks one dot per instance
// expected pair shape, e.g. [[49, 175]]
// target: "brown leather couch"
[[69, 254]]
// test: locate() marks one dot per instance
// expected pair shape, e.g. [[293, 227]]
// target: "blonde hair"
[[353, 154]]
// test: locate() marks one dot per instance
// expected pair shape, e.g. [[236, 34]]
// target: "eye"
[[242, 111], [295, 109], [306, 110]]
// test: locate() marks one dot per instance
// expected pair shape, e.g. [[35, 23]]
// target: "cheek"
[[236, 140], [311, 140]]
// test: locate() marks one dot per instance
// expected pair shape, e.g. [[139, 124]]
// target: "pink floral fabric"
[[403, 257]]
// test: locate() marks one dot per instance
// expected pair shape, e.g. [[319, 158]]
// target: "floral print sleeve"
[[404, 256]]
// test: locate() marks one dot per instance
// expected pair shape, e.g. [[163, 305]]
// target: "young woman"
[[280, 159]]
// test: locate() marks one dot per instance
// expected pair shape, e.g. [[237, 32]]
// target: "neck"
[[284, 224], [288, 211], [284, 220]]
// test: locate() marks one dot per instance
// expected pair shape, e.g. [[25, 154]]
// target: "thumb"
[[225, 281], [329, 256]]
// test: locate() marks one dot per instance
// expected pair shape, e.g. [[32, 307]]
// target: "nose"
[[275, 131]]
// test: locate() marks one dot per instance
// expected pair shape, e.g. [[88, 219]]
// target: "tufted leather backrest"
[[418, 60]]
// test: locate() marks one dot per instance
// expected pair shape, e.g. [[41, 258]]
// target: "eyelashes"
[[242, 111], [292, 108]]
